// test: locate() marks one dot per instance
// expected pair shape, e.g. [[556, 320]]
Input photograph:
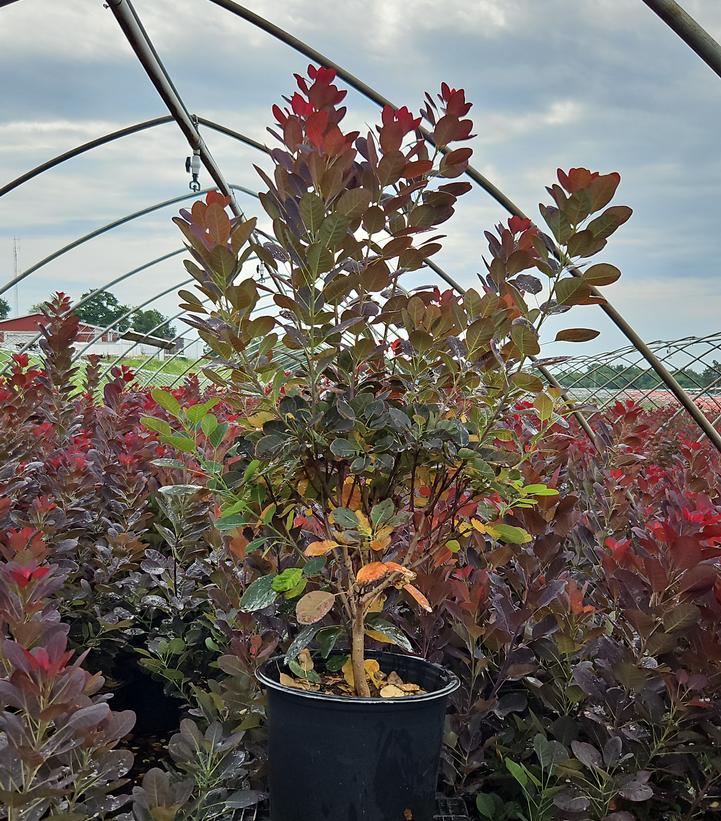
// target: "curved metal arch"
[[104, 229], [126, 315], [149, 58], [177, 337], [101, 289], [235, 135], [280, 34], [127, 131]]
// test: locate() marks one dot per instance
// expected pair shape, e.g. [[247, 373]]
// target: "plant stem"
[[358, 652]]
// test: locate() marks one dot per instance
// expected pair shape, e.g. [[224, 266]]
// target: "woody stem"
[[358, 651]]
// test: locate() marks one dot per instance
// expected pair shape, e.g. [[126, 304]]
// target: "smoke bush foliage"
[[585, 627]]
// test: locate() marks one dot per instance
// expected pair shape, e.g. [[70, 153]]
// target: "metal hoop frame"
[[145, 51]]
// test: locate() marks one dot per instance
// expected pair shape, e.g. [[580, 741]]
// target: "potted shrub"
[[378, 432]]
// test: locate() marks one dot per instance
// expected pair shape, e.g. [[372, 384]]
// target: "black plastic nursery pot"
[[345, 758]]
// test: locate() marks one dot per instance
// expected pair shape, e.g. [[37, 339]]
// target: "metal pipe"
[[173, 340], [81, 149], [548, 376], [353, 82], [127, 314], [103, 229], [496, 193], [142, 46], [689, 31], [115, 135], [178, 352], [166, 321], [100, 290]]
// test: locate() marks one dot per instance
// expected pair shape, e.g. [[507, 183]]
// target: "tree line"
[[620, 377], [103, 309]]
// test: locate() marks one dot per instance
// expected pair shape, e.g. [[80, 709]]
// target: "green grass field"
[[149, 372]]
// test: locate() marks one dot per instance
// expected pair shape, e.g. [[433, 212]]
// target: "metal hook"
[[192, 166]]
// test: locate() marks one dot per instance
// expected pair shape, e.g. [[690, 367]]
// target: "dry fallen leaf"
[[305, 660], [297, 683], [373, 672], [391, 691]]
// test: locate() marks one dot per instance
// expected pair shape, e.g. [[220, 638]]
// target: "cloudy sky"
[[598, 83]]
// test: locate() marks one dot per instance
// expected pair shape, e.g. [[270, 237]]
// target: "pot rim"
[[452, 683]]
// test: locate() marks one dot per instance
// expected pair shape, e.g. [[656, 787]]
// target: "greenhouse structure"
[[338, 481]]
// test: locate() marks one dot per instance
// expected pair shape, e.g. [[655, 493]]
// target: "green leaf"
[[344, 409], [296, 591], [382, 512], [601, 274], [354, 202], [183, 443], [335, 663], [611, 219], [216, 437], [549, 753], [158, 425], [195, 413], [540, 490], [527, 382], [390, 631], [299, 672], [509, 533], [300, 642], [167, 401], [524, 337], [326, 639], [168, 463], [333, 231], [234, 507], [544, 407], [209, 423], [251, 470], [343, 448], [314, 566], [486, 805], [259, 595], [571, 290], [287, 579], [344, 517], [312, 211], [518, 771], [319, 259], [478, 335], [267, 514]]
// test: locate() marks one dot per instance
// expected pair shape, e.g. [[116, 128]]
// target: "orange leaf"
[[372, 572], [351, 496], [321, 548], [237, 545], [398, 568], [380, 544], [418, 596]]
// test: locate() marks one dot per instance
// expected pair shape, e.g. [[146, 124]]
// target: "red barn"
[[19, 331]]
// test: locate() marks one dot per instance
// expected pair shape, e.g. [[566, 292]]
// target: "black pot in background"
[[344, 758]]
